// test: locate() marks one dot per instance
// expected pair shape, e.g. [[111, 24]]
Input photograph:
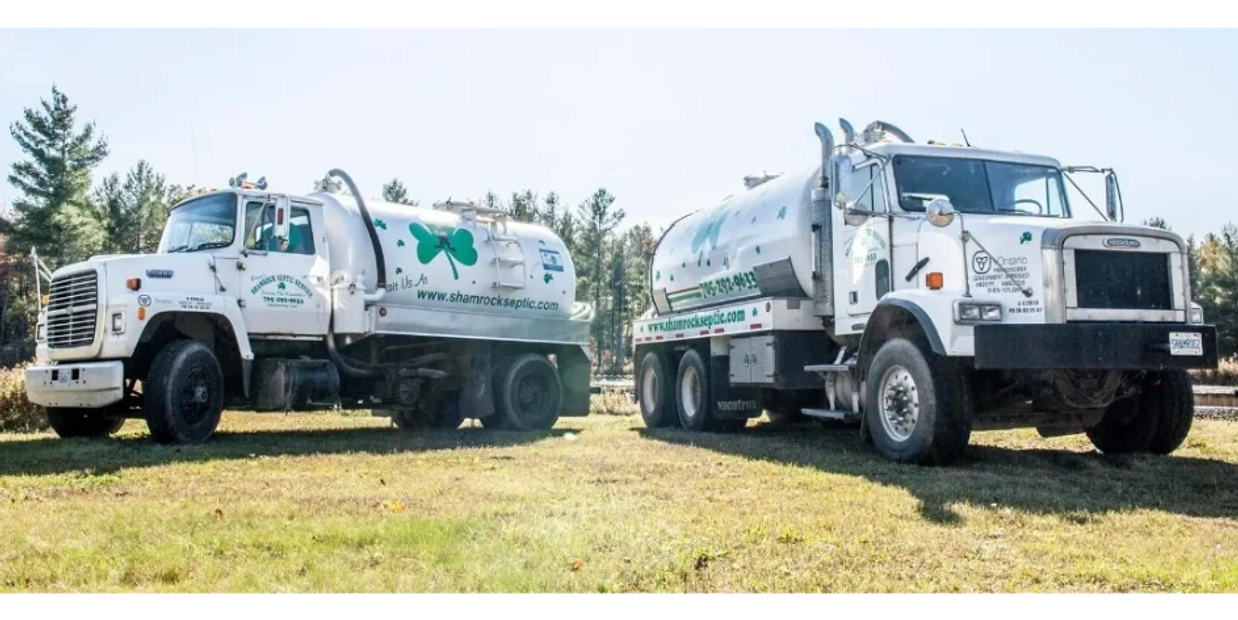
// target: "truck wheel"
[[1155, 420], [692, 398], [527, 393], [916, 405], [69, 422], [657, 392], [184, 393]]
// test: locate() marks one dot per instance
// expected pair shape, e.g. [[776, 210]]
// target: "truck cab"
[[268, 301]]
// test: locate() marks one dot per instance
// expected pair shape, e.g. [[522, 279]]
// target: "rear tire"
[[657, 392], [72, 422], [527, 393], [692, 398], [184, 393], [1156, 420], [917, 407]]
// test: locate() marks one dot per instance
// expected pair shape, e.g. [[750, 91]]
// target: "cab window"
[[872, 200], [300, 233]]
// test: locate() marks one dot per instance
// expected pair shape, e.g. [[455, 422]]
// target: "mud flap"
[[574, 368], [726, 402], [477, 394]]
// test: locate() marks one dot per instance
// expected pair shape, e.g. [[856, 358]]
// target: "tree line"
[[60, 211], [68, 218]]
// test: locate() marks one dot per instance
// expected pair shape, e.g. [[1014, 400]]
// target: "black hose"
[[338, 359], [379, 259]]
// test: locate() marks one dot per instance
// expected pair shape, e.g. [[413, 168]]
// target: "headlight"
[[1197, 314], [968, 311], [118, 323]]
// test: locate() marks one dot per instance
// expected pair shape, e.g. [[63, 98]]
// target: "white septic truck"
[[276, 302], [922, 291]]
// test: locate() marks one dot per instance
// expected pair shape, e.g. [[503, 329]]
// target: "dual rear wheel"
[[682, 400]]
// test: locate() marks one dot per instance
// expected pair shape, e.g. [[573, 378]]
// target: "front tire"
[[1156, 420], [527, 393], [72, 422], [657, 392], [917, 408], [184, 394]]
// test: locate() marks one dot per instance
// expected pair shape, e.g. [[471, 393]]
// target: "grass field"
[[338, 503]]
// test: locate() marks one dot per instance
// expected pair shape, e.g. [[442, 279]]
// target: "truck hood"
[[1048, 231], [180, 272]]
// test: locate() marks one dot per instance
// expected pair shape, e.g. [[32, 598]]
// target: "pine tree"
[[598, 221], [394, 191], [523, 206], [54, 213], [134, 211]]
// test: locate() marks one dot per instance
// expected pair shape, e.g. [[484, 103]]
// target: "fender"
[[122, 346], [923, 306]]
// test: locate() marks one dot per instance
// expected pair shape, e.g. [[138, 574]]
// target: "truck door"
[[865, 270], [284, 286]]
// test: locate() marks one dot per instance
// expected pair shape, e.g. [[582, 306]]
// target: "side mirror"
[[940, 212], [1113, 198], [279, 227], [850, 216]]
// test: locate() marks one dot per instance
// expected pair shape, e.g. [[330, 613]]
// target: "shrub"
[[16, 413], [1225, 374], [614, 402]]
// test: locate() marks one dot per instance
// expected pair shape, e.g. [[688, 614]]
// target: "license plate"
[[1186, 343]]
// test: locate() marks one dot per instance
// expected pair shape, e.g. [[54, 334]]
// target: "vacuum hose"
[[379, 259]]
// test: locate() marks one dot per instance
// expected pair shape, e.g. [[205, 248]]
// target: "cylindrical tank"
[[707, 258], [451, 259]]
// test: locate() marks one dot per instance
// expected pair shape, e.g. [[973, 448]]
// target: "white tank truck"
[[922, 291], [275, 302]]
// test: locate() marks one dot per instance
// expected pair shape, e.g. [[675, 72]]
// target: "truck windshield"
[[979, 186], [201, 224]]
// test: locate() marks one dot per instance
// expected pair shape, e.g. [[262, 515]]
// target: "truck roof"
[[964, 152]]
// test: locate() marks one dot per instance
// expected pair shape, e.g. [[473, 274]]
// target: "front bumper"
[[1092, 346], [87, 385]]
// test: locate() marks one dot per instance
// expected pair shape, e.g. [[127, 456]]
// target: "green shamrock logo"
[[547, 278], [380, 224], [709, 230], [399, 270], [782, 213], [399, 243], [456, 245], [1026, 237], [282, 286]]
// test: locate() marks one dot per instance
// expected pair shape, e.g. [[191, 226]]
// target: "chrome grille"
[[72, 310]]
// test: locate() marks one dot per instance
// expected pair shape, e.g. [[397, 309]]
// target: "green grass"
[[336, 503]]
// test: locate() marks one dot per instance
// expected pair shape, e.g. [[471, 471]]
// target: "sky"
[[669, 121]]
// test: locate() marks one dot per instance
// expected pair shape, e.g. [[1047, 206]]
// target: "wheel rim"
[[900, 403], [690, 392], [649, 390], [532, 396], [196, 395]]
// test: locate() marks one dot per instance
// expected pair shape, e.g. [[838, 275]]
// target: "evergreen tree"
[[598, 221], [523, 207], [394, 191], [53, 212]]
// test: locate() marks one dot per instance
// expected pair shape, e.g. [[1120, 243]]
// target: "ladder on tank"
[[507, 252]]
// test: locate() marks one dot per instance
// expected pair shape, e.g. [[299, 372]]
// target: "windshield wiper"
[[208, 245], [201, 246]]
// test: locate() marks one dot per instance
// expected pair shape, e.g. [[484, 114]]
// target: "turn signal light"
[[141, 314], [934, 280], [134, 283], [46, 299]]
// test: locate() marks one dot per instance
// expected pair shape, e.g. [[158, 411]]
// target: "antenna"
[[193, 138], [964, 136]]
